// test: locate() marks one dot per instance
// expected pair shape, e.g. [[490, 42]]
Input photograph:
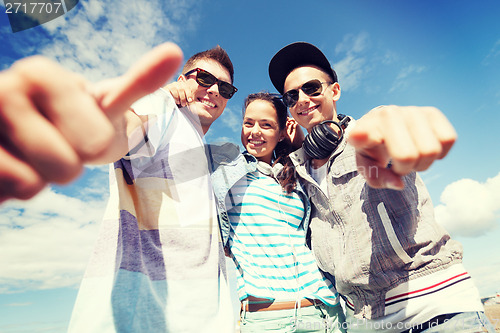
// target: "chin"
[[311, 125]]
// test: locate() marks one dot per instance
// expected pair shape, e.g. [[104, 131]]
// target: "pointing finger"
[[145, 76]]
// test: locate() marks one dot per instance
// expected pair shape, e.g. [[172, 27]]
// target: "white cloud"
[[361, 58], [494, 53], [225, 139], [19, 304], [389, 57], [407, 71], [470, 208], [101, 39], [487, 277], [29, 326], [352, 68], [46, 242], [352, 43], [350, 71], [232, 119], [403, 77]]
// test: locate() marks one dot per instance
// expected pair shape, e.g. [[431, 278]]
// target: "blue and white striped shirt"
[[267, 243]]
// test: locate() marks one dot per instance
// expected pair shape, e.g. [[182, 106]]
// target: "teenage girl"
[[264, 227]]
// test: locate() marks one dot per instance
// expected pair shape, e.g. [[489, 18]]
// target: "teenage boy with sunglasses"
[[372, 223], [158, 265]]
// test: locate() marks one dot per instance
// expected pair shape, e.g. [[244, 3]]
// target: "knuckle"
[[385, 112], [450, 139], [21, 187], [28, 191], [61, 168], [70, 171], [405, 159], [27, 67], [13, 86], [32, 73], [431, 154], [432, 110], [98, 144]]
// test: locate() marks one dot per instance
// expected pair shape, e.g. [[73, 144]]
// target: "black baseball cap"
[[296, 55]]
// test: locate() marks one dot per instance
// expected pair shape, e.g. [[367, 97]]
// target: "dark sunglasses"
[[310, 88], [205, 79]]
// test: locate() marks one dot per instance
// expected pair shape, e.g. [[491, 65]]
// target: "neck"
[[204, 129], [316, 164], [332, 126], [335, 128], [266, 160]]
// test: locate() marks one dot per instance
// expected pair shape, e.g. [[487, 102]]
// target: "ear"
[[336, 91]]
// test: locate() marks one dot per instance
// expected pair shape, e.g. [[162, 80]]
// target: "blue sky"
[[441, 53]]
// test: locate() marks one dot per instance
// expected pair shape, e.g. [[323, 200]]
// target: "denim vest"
[[228, 166], [372, 240]]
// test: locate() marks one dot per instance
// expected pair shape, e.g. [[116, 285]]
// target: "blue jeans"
[[315, 318], [465, 322]]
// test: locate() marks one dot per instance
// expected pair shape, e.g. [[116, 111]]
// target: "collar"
[[271, 171], [299, 157]]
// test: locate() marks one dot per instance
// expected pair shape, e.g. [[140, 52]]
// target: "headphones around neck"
[[322, 140]]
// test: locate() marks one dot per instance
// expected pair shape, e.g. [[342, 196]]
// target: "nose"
[[256, 130], [214, 89], [303, 97]]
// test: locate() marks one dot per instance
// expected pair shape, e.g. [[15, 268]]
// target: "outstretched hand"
[[410, 138], [53, 121]]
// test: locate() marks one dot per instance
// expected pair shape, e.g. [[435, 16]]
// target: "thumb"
[[377, 176], [149, 73]]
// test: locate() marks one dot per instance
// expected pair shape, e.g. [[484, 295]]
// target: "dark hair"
[[217, 54], [286, 177]]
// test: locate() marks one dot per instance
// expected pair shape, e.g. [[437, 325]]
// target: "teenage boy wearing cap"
[[396, 267]]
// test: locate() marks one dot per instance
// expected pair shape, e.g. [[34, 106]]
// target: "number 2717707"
[[33, 7]]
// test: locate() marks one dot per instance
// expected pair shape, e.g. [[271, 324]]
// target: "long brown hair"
[[286, 177]]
